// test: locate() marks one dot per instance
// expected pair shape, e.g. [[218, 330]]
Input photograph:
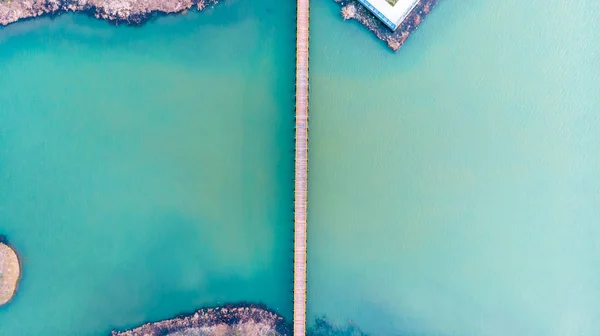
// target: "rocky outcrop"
[[352, 9], [10, 271], [247, 320], [127, 11]]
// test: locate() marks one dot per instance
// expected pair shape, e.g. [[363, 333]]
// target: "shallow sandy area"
[[10, 271]]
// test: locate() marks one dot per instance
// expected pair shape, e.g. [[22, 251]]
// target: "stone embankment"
[[247, 320], [10, 271], [352, 9], [128, 11]]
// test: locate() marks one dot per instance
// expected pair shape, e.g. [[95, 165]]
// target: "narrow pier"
[[301, 167]]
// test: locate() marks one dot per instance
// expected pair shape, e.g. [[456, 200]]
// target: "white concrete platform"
[[392, 16]]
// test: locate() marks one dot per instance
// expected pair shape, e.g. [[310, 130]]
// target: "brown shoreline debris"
[[352, 9], [129, 11], [242, 319]]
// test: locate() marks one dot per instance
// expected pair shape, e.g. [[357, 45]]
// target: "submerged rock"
[[127, 11], [247, 320], [10, 271], [352, 9]]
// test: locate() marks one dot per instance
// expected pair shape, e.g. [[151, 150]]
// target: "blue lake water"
[[146, 172]]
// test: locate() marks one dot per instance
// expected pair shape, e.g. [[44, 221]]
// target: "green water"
[[455, 186], [146, 172]]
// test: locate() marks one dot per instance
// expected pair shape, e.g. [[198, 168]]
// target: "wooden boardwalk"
[[301, 168]]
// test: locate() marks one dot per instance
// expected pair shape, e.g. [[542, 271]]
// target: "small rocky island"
[[239, 319], [352, 9], [10, 271], [132, 12]]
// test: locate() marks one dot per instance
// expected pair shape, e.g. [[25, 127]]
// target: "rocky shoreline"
[[136, 12], [132, 12], [352, 9], [10, 271], [238, 319]]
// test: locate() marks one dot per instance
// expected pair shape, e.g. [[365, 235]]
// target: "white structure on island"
[[391, 15]]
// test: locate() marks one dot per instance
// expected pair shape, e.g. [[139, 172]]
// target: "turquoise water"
[[454, 186], [146, 172]]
